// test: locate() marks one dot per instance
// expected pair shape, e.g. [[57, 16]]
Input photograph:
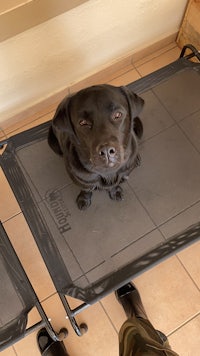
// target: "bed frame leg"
[[79, 329], [194, 52]]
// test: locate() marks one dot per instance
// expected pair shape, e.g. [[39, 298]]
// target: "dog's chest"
[[111, 180], [121, 176]]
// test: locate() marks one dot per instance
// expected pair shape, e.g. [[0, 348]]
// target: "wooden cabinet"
[[190, 28]]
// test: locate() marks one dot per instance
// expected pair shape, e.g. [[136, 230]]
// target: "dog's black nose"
[[107, 152]]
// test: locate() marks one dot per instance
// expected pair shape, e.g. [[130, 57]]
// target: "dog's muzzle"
[[108, 155]]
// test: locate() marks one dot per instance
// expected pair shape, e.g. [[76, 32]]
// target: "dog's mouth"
[[109, 164], [109, 161], [106, 167]]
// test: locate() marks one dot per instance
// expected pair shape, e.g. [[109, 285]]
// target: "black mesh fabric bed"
[[89, 254], [17, 298]]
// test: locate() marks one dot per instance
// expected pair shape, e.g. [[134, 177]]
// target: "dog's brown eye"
[[117, 115], [84, 123]]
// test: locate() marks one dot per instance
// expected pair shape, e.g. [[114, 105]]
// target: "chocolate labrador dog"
[[96, 131]]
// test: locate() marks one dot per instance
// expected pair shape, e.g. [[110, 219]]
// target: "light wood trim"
[[32, 13]]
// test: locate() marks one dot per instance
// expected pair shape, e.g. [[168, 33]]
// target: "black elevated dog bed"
[[17, 298], [89, 254]]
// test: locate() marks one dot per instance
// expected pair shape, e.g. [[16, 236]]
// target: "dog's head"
[[100, 121]]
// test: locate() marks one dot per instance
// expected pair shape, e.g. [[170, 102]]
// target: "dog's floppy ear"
[[61, 120], [135, 104]]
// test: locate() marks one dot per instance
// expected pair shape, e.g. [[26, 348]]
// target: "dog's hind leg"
[[84, 199], [116, 193]]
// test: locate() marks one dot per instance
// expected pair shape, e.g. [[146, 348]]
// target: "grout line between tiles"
[[160, 225], [124, 73], [184, 323], [109, 318], [133, 242], [158, 133], [136, 69], [3, 132], [157, 226], [177, 122], [49, 296], [187, 116], [12, 217], [163, 105], [147, 212], [148, 60], [179, 213], [13, 348], [129, 68], [26, 124], [187, 137], [188, 273]]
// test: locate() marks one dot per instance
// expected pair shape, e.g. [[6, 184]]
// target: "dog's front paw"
[[84, 200], [116, 193], [137, 161]]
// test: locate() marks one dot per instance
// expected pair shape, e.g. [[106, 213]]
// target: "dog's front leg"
[[84, 199], [116, 193]]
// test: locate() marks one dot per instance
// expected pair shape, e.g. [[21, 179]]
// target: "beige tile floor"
[[170, 291]]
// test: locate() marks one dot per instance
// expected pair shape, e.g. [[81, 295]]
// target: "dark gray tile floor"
[[191, 126]]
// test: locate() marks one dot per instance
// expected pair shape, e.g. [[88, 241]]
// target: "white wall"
[[51, 56]]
